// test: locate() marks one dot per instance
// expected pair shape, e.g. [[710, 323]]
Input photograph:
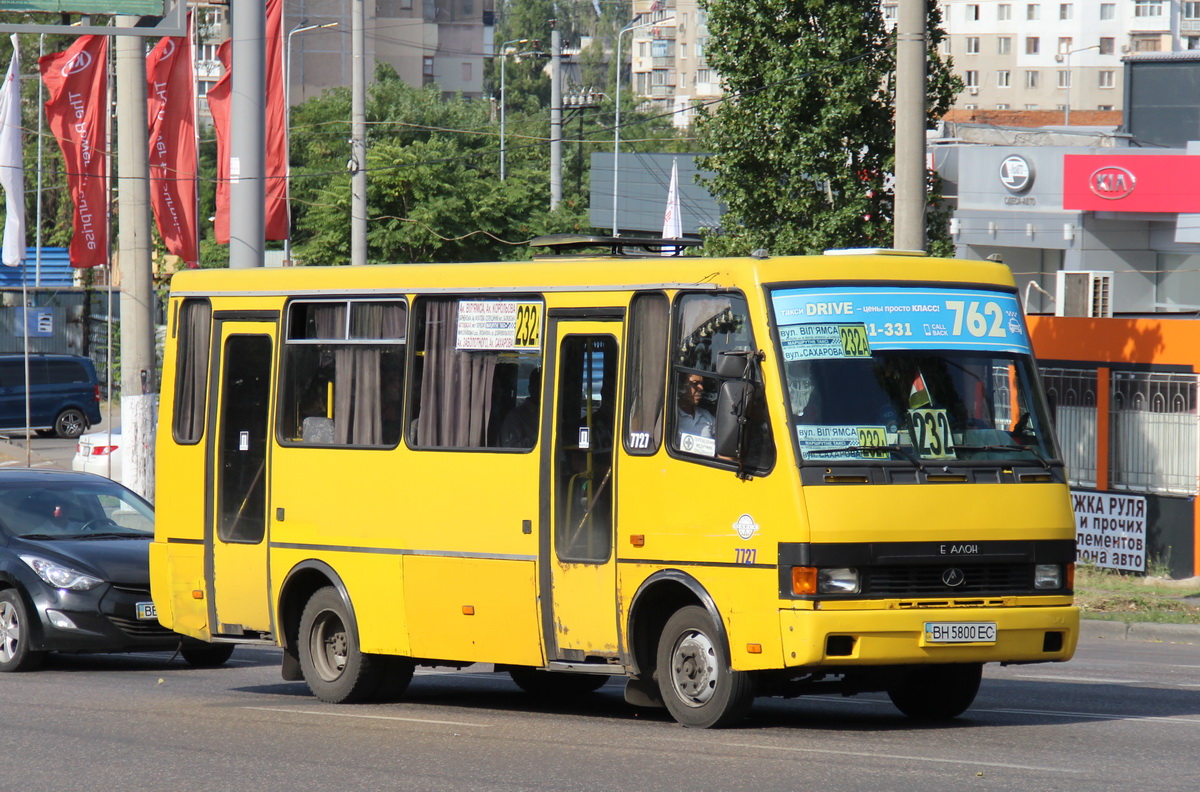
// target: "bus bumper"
[[900, 637]]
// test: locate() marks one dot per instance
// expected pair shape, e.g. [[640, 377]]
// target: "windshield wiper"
[[42, 537], [1045, 463], [113, 535], [895, 449]]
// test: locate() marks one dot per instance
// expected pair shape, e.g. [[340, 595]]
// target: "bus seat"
[[317, 429]]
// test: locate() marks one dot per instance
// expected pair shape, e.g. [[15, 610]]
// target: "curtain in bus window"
[[358, 379], [709, 326], [456, 386], [645, 388], [191, 369]]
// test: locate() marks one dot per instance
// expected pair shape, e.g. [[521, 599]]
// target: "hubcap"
[[10, 632], [329, 646], [694, 668]]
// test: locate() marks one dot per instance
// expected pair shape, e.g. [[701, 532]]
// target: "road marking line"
[[1090, 715], [1065, 678], [865, 754], [364, 717]]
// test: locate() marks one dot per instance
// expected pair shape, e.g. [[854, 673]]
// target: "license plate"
[[146, 610], [960, 632]]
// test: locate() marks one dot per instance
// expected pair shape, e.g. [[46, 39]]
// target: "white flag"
[[672, 222], [12, 165]]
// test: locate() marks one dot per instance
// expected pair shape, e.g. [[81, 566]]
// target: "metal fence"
[[1154, 443], [1072, 395]]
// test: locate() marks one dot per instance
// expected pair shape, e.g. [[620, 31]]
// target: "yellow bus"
[[715, 478]]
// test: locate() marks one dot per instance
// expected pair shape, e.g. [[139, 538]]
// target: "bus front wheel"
[[334, 667], [698, 687], [936, 692]]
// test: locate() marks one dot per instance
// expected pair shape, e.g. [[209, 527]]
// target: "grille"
[[140, 628], [981, 579]]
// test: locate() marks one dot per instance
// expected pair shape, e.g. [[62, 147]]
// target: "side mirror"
[[734, 364], [732, 401]]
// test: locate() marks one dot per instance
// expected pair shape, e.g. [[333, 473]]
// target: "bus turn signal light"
[[804, 580], [638, 540], [468, 610]]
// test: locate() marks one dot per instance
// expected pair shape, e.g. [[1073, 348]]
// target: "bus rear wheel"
[[334, 667], [936, 692], [697, 686]]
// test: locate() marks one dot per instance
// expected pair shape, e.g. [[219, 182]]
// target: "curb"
[[1139, 631]]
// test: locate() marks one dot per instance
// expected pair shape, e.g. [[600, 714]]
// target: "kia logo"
[[1111, 182], [81, 61], [953, 577], [1016, 174]]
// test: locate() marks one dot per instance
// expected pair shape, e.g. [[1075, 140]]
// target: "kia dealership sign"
[[1131, 183]]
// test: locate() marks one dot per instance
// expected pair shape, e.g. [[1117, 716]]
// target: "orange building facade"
[[1123, 392]]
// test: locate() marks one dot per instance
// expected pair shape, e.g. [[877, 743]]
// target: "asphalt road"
[[1122, 715]]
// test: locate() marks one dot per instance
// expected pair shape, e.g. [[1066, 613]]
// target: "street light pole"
[[303, 27], [1059, 57], [503, 60], [617, 119]]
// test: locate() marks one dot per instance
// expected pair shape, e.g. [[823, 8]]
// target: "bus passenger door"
[[578, 565], [239, 438]]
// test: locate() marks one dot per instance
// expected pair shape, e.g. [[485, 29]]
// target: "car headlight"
[[1048, 576], [61, 577]]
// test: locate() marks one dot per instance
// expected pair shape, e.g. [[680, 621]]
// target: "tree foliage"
[[803, 146], [434, 192]]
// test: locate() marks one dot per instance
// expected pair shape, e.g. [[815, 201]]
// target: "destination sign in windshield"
[[816, 323]]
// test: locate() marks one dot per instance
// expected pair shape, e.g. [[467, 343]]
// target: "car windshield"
[[906, 376], [72, 509]]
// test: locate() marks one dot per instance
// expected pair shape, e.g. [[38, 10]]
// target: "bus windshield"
[[916, 376]]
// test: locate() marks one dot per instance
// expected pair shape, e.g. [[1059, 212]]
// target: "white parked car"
[[100, 453]]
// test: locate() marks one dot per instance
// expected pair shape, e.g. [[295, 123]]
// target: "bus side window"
[[343, 380], [645, 375], [708, 326], [471, 388], [194, 331]]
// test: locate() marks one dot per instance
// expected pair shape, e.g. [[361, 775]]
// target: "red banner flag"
[[77, 81], [218, 105], [171, 112], [276, 125], [276, 162]]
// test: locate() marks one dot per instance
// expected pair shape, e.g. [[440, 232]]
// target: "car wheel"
[[15, 654], [551, 684], [70, 423], [696, 685], [334, 667], [206, 655], [936, 692]]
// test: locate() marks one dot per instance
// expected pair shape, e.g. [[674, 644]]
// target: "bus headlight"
[[1048, 576], [837, 580]]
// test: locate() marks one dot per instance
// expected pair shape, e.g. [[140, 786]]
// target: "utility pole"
[[358, 136], [555, 115], [139, 389], [247, 136], [909, 231]]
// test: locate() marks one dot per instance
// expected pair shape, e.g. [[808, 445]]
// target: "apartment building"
[[669, 70], [1061, 56], [427, 41]]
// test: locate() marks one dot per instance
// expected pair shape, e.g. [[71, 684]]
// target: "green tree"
[[434, 192], [803, 146]]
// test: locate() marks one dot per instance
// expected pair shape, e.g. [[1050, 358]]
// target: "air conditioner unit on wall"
[[973, 91], [1084, 293]]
